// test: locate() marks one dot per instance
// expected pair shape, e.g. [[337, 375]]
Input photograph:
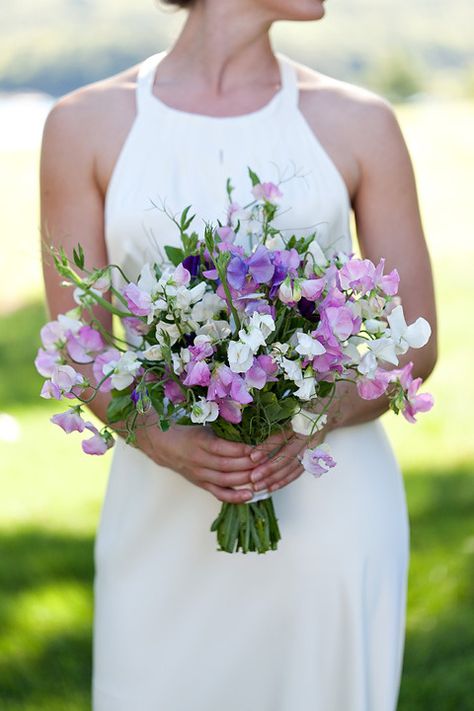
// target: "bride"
[[319, 624]]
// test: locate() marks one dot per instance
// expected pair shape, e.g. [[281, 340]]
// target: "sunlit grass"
[[52, 493]]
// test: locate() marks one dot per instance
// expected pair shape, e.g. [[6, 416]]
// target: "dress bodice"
[[172, 158]]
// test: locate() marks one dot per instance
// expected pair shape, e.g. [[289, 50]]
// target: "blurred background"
[[420, 55]]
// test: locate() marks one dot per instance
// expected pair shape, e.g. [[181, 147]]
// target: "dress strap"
[[289, 79], [145, 78]]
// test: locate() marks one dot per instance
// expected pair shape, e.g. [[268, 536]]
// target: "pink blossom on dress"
[[267, 191], [317, 461]]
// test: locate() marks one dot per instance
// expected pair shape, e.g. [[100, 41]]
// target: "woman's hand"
[[282, 454], [206, 460]]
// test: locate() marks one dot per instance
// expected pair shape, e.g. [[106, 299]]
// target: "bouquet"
[[246, 340]]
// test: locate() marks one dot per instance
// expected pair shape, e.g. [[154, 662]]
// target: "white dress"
[[178, 626]]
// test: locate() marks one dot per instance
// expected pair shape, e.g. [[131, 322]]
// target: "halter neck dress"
[[317, 625]]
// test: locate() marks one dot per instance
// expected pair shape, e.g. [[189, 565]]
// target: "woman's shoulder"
[[92, 107]]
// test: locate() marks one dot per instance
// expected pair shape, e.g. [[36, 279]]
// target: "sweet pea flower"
[[262, 370], [152, 353], [308, 346], [69, 421], [198, 373], [306, 423], [311, 289], [416, 335], [216, 330], [173, 392], [317, 461], [371, 388], [306, 386], [53, 334], [259, 266], [414, 402], [290, 291], [139, 302], [357, 274], [388, 283], [125, 370], [181, 276], [66, 378], [45, 362], [267, 191], [204, 411], [50, 390], [240, 356], [342, 321], [205, 309], [84, 344], [225, 383], [230, 410], [103, 366], [97, 444]]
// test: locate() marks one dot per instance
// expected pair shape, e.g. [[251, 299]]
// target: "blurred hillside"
[[396, 48]]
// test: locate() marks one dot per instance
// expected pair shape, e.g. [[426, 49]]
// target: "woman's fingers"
[[286, 456], [231, 496], [296, 472], [223, 464]]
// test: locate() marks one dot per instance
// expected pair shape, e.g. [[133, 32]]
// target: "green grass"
[[52, 493]]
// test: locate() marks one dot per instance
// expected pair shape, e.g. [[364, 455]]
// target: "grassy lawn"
[[51, 494]]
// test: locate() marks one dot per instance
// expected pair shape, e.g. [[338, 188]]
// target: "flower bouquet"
[[247, 341]]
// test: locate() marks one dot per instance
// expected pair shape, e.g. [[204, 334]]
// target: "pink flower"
[[342, 321], [414, 402], [98, 443], [173, 392], [226, 233], [65, 378], [198, 373], [82, 345], [70, 421], [181, 276], [139, 302], [372, 388], [388, 283], [225, 383], [103, 365], [230, 410], [262, 370], [357, 274], [50, 390], [267, 191], [45, 362], [312, 289], [317, 461]]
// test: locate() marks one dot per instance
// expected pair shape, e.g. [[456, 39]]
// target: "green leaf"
[[174, 254], [119, 407], [324, 388], [78, 256], [253, 177]]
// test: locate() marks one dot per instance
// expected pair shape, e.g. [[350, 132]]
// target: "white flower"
[[204, 411], [124, 371], [316, 257], [180, 360], [279, 350], [415, 335], [216, 330], [368, 365], [308, 346], [208, 307], [373, 325], [351, 350], [264, 322], [253, 338], [292, 369], [170, 328], [306, 386], [384, 349], [240, 357], [152, 353], [275, 243], [307, 423], [147, 280]]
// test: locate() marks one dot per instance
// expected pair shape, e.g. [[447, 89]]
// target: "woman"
[[319, 624]]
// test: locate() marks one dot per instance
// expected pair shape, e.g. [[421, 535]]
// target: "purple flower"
[[258, 265], [101, 367], [262, 370], [192, 264], [311, 289], [342, 321], [65, 378], [225, 383], [50, 390], [317, 461], [357, 274], [267, 191], [69, 421], [372, 388], [308, 310], [388, 283]]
